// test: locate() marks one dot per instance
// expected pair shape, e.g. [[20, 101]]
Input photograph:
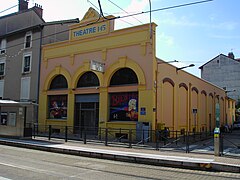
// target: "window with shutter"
[[1, 88], [25, 88]]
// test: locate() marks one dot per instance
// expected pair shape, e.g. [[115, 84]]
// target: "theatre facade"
[[109, 78]]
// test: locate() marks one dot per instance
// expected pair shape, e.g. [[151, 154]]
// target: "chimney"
[[231, 55], [38, 9], [22, 5]]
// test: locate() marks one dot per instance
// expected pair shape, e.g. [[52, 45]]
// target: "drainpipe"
[[39, 69], [189, 107]]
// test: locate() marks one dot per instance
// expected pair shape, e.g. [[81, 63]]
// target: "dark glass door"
[[87, 117]]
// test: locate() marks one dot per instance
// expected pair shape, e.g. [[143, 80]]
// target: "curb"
[[179, 162]]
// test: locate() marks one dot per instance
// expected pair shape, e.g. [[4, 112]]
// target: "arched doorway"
[[87, 105]]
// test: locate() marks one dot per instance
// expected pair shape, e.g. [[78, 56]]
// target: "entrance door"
[[87, 117]]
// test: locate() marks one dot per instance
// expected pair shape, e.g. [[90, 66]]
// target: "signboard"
[[143, 111], [4, 118], [97, 66], [90, 31], [124, 106]]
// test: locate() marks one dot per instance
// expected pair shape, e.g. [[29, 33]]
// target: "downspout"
[[39, 68]]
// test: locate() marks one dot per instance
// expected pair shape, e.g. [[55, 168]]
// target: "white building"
[[223, 71]]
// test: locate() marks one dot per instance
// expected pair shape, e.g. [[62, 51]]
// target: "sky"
[[191, 34]]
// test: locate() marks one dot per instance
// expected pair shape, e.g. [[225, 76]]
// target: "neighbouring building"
[[21, 36], [106, 78], [224, 71]]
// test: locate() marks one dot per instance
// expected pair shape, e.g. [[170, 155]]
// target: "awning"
[[16, 103]]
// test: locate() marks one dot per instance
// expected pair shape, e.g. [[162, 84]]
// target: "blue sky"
[[191, 34]]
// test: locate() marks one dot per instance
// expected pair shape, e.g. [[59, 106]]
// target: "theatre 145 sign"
[[124, 106], [91, 30]]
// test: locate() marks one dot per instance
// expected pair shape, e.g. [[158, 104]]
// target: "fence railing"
[[132, 138]]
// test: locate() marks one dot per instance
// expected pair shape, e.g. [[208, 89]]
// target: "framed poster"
[[57, 106], [4, 118], [124, 106]]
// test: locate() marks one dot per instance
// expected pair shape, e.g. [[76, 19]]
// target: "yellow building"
[[109, 78]]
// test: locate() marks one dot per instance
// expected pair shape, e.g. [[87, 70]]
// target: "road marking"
[[33, 169], [3, 178]]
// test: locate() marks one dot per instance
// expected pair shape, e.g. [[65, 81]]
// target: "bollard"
[[34, 129], [100, 134], [49, 132], [217, 142], [66, 133], [143, 138], [106, 136], [130, 138], [157, 141], [84, 137], [176, 137], [187, 143]]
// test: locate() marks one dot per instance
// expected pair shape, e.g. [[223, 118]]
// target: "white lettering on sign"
[[97, 66]]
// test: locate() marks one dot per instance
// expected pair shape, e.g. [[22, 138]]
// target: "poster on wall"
[[58, 107], [124, 106], [4, 117]]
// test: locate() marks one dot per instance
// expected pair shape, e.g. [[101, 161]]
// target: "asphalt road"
[[20, 163]]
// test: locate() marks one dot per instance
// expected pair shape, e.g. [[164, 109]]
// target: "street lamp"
[[191, 65], [167, 62], [227, 91]]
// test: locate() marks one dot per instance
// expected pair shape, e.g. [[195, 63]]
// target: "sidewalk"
[[153, 157]]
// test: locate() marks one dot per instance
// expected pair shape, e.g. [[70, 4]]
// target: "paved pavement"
[[153, 157]]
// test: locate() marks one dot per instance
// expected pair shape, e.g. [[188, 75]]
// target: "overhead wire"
[[102, 14], [166, 8], [124, 11], [107, 13], [118, 17], [9, 8]]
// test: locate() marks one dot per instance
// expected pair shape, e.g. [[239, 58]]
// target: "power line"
[[124, 10], [166, 8], [118, 17], [107, 13], [8, 8]]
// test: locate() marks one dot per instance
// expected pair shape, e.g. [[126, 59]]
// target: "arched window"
[[124, 76], [88, 79], [59, 82]]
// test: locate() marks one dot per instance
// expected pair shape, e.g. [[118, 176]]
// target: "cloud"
[[165, 39]]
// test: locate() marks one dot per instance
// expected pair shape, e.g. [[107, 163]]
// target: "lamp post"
[[180, 68], [167, 62], [150, 6], [228, 91]]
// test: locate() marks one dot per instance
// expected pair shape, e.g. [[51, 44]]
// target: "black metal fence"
[[131, 138]]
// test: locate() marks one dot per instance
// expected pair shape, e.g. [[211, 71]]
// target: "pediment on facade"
[[90, 15]]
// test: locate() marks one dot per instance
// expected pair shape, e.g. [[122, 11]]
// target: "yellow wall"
[[179, 93], [131, 48], [169, 96]]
